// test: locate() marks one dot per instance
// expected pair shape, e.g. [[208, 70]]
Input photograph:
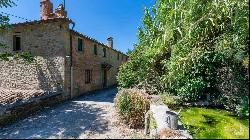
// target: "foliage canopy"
[[193, 49]]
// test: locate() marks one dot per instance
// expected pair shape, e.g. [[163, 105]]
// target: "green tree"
[[193, 48], [6, 3]]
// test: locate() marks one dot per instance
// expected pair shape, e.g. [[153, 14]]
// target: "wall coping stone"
[[18, 103]]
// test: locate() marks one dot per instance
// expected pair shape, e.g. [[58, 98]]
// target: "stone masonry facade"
[[65, 61], [87, 59], [45, 41]]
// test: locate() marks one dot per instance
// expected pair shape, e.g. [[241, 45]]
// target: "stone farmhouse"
[[66, 62]]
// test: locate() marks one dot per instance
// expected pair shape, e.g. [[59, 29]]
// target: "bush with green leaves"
[[193, 48], [172, 102], [131, 106]]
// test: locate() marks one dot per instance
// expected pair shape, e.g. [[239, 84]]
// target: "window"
[[95, 49], [16, 43], [80, 44], [88, 76], [104, 52], [118, 56]]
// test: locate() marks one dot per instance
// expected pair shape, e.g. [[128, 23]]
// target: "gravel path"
[[90, 116]]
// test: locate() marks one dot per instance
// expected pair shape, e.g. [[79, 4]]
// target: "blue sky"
[[95, 18]]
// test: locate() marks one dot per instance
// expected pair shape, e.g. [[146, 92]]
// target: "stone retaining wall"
[[19, 110], [162, 122]]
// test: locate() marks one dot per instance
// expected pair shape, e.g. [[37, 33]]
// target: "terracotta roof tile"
[[8, 96], [42, 21]]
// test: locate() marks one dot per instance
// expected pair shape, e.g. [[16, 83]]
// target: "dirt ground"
[[91, 116]]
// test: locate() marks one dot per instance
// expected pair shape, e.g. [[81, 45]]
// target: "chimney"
[[110, 42], [46, 8], [60, 11]]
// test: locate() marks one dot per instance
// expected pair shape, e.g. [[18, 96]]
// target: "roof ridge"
[[88, 37], [69, 20], [42, 21]]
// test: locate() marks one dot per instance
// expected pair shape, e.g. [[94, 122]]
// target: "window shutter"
[[80, 44], [95, 49], [14, 43], [104, 52]]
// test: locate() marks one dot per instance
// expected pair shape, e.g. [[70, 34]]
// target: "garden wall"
[[19, 110]]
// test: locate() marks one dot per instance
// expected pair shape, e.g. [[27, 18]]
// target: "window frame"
[[80, 41], [88, 76], [95, 50], [104, 52], [15, 48]]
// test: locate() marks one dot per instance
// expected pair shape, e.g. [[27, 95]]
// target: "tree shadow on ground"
[[66, 120]]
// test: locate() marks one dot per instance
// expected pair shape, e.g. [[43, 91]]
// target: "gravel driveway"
[[90, 116]]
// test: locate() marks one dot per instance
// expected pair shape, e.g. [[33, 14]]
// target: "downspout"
[[71, 64]]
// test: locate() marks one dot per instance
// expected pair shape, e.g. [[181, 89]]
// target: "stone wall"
[[13, 112], [50, 72], [27, 87], [45, 41], [87, 60]]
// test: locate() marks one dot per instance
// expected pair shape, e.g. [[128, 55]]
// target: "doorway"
[[105, 78]]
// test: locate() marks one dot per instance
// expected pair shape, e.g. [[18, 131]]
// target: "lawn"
[[205, 123]]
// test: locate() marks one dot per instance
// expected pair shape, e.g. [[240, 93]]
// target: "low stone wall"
[[19, 110], [162, 122]]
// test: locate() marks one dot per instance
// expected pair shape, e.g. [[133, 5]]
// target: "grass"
[[152, 122], [204, 123]]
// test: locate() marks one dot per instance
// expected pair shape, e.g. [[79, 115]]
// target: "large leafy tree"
[[193, 48], [6, 3]]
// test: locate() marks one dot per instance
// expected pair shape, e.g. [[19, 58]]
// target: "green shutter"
[[80, 45], [104, 52], [95, 49]]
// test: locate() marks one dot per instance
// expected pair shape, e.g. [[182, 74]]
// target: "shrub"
[[232, 85], [131, 106], [152, 122], [243, 109], [171, 101]]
